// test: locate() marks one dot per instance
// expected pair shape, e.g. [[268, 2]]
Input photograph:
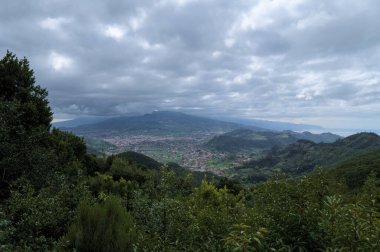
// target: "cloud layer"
[[293, 60]]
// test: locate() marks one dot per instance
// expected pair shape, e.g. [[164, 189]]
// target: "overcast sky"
[[290, 60]]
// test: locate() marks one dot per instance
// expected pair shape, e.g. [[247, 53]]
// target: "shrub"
[[102, 227]]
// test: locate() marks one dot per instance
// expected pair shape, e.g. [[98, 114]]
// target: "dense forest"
[[303, 156], [54, 196]]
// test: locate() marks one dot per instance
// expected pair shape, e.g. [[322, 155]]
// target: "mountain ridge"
[[303, 156], [248, 140], [157, 123], [258, 123]]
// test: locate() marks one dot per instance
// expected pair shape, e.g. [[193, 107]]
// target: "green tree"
[[38, 218], [18, 90], [102, 227], [25, 118]]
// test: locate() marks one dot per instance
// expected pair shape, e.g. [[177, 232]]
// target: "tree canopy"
[[19, 93]]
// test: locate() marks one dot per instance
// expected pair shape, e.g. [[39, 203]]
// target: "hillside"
[[140, 160], [355, 170], [303, 156], [156, 123], [98, 146], [249, 140]]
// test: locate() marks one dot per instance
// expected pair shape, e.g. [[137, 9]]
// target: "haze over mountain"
[[157, 123], [269, 125]]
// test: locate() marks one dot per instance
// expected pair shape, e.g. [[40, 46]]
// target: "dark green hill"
[[156, 123], [316, 138], [249, 140], [198, 176], [140, 160], [303, 156], [356, 169]]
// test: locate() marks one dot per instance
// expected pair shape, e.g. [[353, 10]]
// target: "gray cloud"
[[302, 61]]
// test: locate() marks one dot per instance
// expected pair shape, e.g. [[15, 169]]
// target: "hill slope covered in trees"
[[303, 156], [249, 140]]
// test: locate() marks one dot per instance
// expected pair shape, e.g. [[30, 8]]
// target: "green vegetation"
[[356, 170], [98, 146], [57, 197], [105, 226], [246, 140], [303, 156]]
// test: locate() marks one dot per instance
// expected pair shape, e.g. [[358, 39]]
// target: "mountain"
[[303, 156], [249, 140], [156, 123], [140, 160], [325, 137], [272, 125]]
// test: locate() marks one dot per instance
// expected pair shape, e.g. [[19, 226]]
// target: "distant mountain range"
[[249, 140], [233, 137], [303, 156], [156, 123], [273, 125], [255, 123]]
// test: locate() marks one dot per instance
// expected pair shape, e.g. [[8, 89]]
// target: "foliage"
[[241, 239], [39, 218], [105, 184], [350, 227], [18, 90], [24, 122], [303, 156], [140, 160], [68, 146], [246, 140], [356, 169], [102, 227]]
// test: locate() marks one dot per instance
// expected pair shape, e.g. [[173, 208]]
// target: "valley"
[[194, 143], [188, 151]]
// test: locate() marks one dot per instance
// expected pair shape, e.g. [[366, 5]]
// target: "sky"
[[300, 61]]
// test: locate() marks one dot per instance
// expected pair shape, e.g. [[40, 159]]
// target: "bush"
[[102, 227], [40, 217]]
